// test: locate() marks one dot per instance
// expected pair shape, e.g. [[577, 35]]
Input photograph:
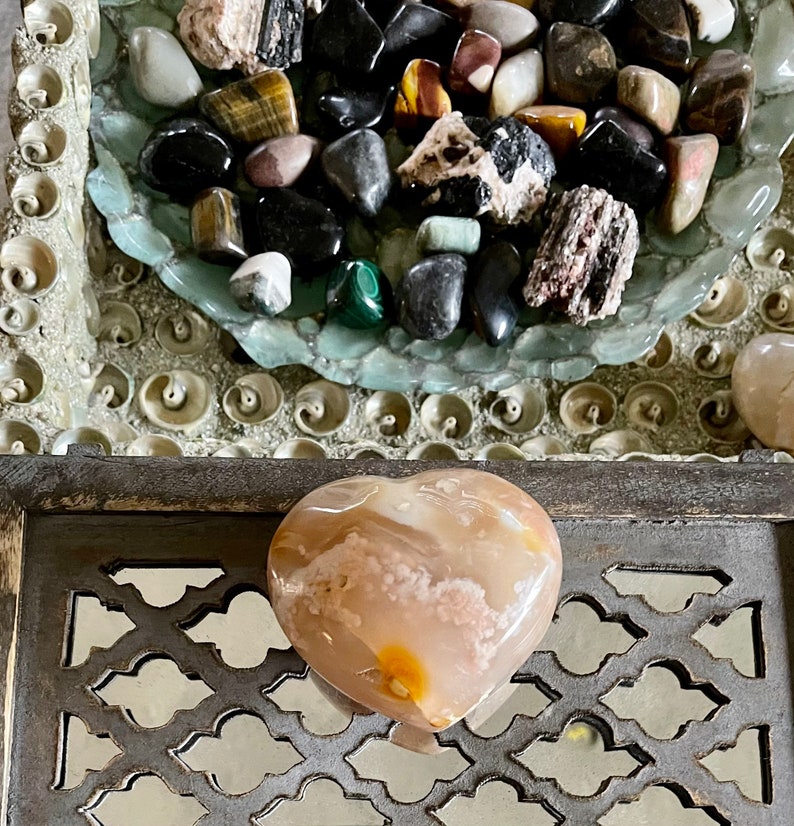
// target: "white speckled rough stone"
[[161, 70]]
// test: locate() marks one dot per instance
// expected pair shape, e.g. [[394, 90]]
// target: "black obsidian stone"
[[315, 85], [491, 276], [415, 30], [512, 143], [583, 12], [608, 158], [462, 196], [657, 35], [303, 229], [346, 37], [429, 296], [347, 109], [184, 156], [620, 117]]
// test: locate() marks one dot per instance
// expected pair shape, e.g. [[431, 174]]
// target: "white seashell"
[[433, 452], [119, 431], [28, 266], [91, 309], [120, 324], [93, 27], [777, 308], [726, 302], [20, 317], [518, 409], [21, 381], [153, 444], [586, 407], [388, 413], [661, 354], [299, 448], [500, 451], [48, 23], [714, 359], [321, 407], [771, 248], [35, 196], [252, 399], [619, 442], [112, 388], [651, 405], [40, 87], [705, 458], [177, 400], [41, 143], [119, 271], [637, 456], [719, 419], [540, 446], [18, 438], [81, 436], [183, 333], [367, 451], [243, 449], [782, 457], [82, 92], [74, 220], [446, 416]]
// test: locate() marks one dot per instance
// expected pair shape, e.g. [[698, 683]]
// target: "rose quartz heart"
[[417, 597]]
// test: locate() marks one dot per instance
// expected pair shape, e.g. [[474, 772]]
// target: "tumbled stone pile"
[[521, 174]]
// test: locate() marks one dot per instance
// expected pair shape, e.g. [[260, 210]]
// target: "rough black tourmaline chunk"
[[512, 143], [281, 33], [347, 38]]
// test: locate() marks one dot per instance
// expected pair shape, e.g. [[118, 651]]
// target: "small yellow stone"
[[559, 126], [421, 95]]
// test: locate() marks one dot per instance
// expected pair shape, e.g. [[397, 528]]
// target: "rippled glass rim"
[[387, 358]]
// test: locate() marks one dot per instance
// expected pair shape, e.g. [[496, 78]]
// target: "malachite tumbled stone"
[[216, 227], [357, 294], [443, 233], [254, 109]]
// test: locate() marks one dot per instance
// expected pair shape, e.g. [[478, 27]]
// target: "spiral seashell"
[[252, 399], [112, 388], [82, 92], [120, 324], [321, 407], [499, 452], [119, 271], [242, 449], [41, 143], [35, 196], [183, 333], [726, 302], [446, 416], [714, 359], [20, 317], [619, 442], [719, 419], [177, 400], [517, 409], [661, 354], [388, 413], [21, 381], [18, 438], [651, 405], [48, 23], [433, 452], [299, 448], [587, 407], [40, 87], [153, 444], [538, 447], [771, 248], [777, 308], [367, 451], [28, 266], [81, 436]]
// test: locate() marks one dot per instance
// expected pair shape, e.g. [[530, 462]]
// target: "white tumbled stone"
[[161, 70], [262, 283], [713, 19], [518, 83]]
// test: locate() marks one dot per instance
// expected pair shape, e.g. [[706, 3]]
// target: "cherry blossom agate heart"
[[417, 597]]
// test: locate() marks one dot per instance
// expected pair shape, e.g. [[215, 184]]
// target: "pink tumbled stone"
[[420, 597], [281, 161], [474, 63]]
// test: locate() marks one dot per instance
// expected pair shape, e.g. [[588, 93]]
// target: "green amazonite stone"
[[354, 294], [441, 233]]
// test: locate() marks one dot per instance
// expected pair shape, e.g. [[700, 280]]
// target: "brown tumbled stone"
[[649, 94], [658, 36], [580, 63], [281, 161], [690, 161]]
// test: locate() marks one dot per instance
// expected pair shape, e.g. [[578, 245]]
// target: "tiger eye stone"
[[422, 96], [559, 126], [420, 597], [215, 226], [255, 108]]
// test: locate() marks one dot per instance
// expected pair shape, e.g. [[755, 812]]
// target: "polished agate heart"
[[417, 597]]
